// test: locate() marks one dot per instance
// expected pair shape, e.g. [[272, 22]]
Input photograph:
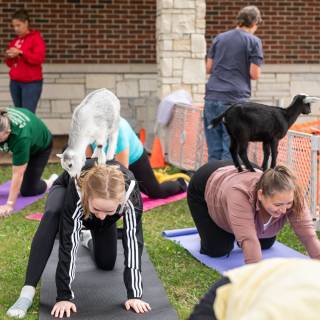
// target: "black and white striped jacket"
[[71, 224]]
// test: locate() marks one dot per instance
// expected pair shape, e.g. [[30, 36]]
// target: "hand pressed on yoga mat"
[[137, 305], [63, 307], [5, 210]]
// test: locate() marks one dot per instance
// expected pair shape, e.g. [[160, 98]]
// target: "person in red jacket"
[[24, 57]]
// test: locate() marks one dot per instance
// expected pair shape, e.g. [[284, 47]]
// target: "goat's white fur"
[[95, 119]]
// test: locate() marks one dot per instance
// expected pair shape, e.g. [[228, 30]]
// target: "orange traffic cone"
[[157, 158], [142, 135]]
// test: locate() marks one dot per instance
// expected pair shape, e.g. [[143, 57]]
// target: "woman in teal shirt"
[[131, 154]]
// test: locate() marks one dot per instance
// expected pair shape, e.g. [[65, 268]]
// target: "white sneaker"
[[51, 180], [85, 237]]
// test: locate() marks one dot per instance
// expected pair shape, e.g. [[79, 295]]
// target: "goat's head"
[[305, 101], [72, 162]]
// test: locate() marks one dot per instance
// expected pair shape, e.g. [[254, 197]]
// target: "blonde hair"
[[4, 121], [101, 181], [281, 179]]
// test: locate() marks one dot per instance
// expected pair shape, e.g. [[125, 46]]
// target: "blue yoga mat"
[[189, 239]]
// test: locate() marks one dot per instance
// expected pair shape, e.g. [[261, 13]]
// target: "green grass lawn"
[[183, 277]]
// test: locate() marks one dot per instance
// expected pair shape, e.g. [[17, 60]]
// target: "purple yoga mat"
[[189, 239], [22, 202]]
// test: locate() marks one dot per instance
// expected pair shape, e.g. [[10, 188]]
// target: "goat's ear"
[[59, 155], [309, 99]]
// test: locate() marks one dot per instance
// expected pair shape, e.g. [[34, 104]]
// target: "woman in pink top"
[[249, 207]]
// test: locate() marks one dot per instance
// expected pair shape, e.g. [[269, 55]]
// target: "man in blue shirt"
[[233, 60]]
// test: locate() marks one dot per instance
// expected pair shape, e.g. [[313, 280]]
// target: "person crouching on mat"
[[131, 154], [29, 140], [273, 289], [249, 207], [101, 196]]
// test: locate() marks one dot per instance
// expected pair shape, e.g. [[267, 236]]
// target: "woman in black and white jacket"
[[102, 195]]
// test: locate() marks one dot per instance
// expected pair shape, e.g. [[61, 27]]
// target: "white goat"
[[96, 119]]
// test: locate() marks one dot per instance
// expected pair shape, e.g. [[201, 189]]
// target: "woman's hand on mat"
[[5, 210], [137, 305], [63, 307]]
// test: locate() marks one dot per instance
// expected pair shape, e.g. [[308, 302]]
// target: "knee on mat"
[[265, 246], [105, 265], [216, 252], [26, 192], [155, 194]]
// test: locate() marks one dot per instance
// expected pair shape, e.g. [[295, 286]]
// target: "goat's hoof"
[[240, 169]]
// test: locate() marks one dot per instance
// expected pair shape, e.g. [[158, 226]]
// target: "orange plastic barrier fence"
[[187, 147], [311, 127]]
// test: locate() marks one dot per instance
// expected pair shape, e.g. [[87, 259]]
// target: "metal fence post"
[[315, 146], [200, 142], [289, 149], [182, 137]]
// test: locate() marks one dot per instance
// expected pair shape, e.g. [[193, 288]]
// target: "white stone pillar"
[[181, 47]]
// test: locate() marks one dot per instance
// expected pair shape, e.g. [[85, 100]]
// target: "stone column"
[[181, 50], [181, 47]]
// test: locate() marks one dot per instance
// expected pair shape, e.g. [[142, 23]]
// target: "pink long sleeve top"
[[233, 206]]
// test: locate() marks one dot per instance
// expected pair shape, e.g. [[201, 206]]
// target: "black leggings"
[[204, 309], [215, 242], [45, 235], [148, 183], [103, 246], [32, 184]]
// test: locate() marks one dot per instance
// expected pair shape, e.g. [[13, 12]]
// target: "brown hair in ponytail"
[[281, 179]]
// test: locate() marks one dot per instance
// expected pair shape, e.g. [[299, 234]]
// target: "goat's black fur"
[[251, 121]]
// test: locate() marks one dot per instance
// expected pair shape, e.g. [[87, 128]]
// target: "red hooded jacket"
[[27, 68]]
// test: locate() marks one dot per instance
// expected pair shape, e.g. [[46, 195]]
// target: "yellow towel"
[[273, 289], [163, 176]]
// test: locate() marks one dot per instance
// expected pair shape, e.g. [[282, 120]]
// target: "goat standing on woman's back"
[[251, 121], [96, 119]]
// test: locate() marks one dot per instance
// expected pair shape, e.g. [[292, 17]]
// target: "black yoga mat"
[[99, 294]]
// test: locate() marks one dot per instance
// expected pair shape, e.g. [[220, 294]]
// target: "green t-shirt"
[[28, 136]]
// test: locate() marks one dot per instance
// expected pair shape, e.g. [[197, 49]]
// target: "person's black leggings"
[[45, 235], [32, 184], [103, 246], [204, 309], [215, 241], [148, 183]]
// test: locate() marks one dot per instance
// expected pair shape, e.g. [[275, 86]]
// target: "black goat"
[[251, 121]]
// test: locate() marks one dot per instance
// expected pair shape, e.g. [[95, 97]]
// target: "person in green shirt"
[[30, 142]]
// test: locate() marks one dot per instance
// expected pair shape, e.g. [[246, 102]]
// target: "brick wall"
[[123, 31], [89, 31], [290, 31]]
